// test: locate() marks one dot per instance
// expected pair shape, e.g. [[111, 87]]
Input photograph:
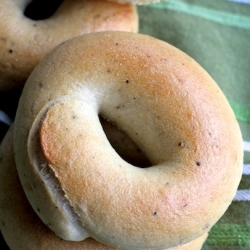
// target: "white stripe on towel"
[[246, 169], [242, 195], [5, 118], [240, 1], [246, 146]]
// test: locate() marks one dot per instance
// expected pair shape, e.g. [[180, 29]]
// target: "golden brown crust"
[[136, 2], [24, 41], [19, 224], [166, 103]]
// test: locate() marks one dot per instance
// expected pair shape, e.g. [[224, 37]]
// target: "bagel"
[[166, 103], [22, 228], [23, 41]]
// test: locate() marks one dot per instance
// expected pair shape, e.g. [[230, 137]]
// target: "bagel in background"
[[22, 228], [25, 41], [166, 103]]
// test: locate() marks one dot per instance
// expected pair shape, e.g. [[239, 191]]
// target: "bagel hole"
[[123, 145], [41, 9]]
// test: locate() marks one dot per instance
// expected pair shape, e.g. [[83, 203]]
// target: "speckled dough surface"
[[23, 42], [161, 99], [22, 228]]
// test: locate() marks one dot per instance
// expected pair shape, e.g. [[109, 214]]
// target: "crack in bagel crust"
[[50, 183], [167, 104]]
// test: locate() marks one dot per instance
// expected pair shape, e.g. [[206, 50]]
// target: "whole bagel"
[[22, 228], [165, 103], [23, 41]]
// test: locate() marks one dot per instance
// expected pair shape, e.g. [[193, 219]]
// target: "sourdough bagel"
[[165, 103], [23, 42], [22, 228]]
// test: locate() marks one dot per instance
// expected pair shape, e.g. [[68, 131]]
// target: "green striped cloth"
[[216, 33]]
